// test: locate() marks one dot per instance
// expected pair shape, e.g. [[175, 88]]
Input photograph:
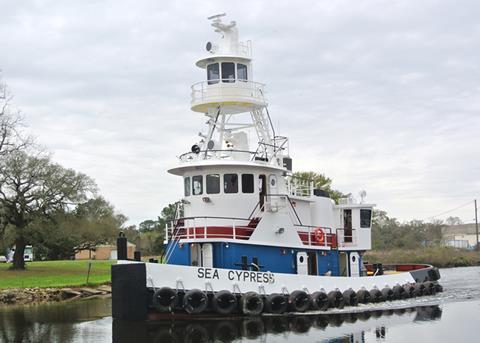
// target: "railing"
[[300, 187], [346, 237], [311, 236], [243, 155], [208, 227], [212, 90]]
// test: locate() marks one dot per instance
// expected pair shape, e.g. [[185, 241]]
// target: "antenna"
[[362, 194], [217, 17]]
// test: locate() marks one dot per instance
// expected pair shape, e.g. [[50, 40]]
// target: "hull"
[[139, 281]]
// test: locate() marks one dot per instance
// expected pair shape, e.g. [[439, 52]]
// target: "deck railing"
[[210, 227], [241, 90]]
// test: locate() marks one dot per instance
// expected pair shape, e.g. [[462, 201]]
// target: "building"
[[104, 252], [461, 236]]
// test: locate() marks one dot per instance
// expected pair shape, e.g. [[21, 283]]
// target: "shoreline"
[[440, 257], [39, 295]]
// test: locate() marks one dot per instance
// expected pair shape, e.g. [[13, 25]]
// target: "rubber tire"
[[224, 302], [319, 301], [399, 292], [438, 287], [409, 290], [429, 288], [363, 296], [251, 303], [418, 290], [350, 297], [169, 299], [387, 294], [376, 295], [200, 300], [276, 303], [299, 301], [335, 299]]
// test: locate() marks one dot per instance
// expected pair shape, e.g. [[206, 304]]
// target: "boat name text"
[[237, 275]]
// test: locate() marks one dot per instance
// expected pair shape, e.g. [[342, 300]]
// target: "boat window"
[[228, 72], [242, 72], [213, 73], [186, 183], [197, 182], [247, 183], [213, 184], [230, 183], [365, 218]]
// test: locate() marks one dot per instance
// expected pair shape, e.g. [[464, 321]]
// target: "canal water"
[[451, 316]]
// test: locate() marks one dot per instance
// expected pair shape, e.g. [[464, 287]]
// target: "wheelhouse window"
[[365, 218], [213, 73], [213, 184], [197, 183], [247, 183], [228, 72], [230, 183], [242, 72], [186, 184]]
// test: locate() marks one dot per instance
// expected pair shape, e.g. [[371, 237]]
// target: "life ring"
[[319, 235]]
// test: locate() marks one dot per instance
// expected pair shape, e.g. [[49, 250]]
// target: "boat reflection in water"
[[339, 327]]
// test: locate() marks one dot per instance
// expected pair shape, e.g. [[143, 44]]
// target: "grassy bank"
[[55, 274], [442, 257]]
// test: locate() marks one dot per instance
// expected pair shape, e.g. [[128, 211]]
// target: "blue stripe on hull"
[[274, 259]]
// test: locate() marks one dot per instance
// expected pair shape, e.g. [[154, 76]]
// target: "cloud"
[[379, 95]]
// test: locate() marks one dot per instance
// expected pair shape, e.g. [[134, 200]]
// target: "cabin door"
[[354, 264], [262, 190], [347, 226], [302, 263], [312, 263], [207, 255]]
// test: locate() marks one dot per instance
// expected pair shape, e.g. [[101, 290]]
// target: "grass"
[[55, 274], [442, 257]]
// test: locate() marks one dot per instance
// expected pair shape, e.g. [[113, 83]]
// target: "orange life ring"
[[319, 235]]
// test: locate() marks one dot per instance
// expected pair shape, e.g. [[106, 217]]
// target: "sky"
[[382, 96]]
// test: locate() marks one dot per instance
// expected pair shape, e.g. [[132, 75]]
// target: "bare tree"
[[33, 187], [12, 138]]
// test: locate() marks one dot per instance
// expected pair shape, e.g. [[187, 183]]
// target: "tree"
[[319, 181], [34, 189], [453, 221], [148, 225], [91, 223], [11, 123]]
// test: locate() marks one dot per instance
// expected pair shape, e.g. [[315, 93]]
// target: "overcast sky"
[[378, 95]]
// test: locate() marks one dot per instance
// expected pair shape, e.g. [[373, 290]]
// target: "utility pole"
[[476, 224]]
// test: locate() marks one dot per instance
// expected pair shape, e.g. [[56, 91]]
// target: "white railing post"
[[309, 235], [205, 228], [234, 230], [194, 229]]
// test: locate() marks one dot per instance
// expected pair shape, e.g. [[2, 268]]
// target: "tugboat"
[[249, 237]]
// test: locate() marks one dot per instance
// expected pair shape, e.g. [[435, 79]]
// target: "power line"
[[453, 209]]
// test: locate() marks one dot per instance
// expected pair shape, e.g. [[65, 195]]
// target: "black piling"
[[122, 247]]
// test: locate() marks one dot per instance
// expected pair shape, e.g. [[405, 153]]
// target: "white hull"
[[242, 281]]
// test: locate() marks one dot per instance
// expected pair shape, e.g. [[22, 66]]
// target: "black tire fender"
[[387, 294], [350, 297], [335, 299], [299, 301], [164, 299], [319, 301], [195, 301], [376, 295], [251, 303], [276, 303], [363, 296], [224, 302]]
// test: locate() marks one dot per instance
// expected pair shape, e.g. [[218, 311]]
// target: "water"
[[451, 316]]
